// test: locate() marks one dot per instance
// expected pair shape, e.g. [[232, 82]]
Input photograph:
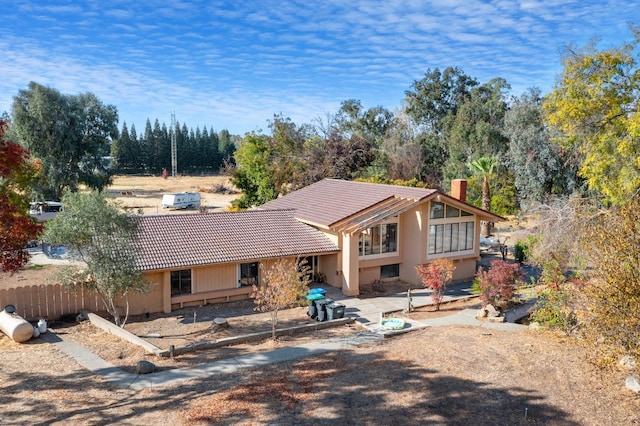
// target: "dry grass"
[[145, 192]]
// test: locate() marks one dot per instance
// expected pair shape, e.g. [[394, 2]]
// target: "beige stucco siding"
[[214, 277], [465, 269], [147, 302], [328, 266], [413, 241]]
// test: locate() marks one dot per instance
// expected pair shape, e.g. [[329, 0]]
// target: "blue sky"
[[233, 64]]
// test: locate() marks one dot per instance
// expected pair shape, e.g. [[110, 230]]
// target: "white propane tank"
[[36, 332], [15, 327], [42, 325]]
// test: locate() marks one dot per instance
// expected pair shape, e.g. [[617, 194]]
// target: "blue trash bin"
[[317, 290], [311, 299]]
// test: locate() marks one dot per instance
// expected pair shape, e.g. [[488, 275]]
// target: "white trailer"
[[181, 200], [45, 210]]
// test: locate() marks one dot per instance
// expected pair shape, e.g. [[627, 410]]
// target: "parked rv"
[[181, 200], [45, 210]]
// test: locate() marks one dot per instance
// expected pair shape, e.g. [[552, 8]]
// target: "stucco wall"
[[215, 277], [147, 302]]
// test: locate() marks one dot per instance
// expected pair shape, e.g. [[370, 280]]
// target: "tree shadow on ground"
[[342, 387]]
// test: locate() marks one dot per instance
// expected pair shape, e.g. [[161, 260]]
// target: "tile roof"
[[182, 240], [332, 200]]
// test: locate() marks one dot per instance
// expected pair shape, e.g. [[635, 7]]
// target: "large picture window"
[[181, 282], [248, 274], [450, 229], [379, 239], [451, 237]]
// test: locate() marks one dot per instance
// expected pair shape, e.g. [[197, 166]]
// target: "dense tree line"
[[201, 151], [449, 124]]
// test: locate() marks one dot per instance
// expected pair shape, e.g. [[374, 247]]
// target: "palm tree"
[[484, 167]]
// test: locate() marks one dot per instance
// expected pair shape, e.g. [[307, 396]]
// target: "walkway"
[[367, 312]]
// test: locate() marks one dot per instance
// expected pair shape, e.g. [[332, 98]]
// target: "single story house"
[[350, 233]]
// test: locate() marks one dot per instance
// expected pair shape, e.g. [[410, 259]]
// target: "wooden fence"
[[49, 301]]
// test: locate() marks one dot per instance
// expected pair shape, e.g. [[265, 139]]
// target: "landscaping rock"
[[482, 313], [145, 367], [492, 311], [628, 362], [496, 319], [633, 383]]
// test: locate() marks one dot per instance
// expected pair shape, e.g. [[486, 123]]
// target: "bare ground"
[[455, 375], [444, 375], [145, 192]]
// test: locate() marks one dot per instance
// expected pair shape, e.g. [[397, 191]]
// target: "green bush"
[[554, 309], [520, 252]]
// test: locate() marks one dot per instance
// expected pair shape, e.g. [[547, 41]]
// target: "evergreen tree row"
[[200, 151]]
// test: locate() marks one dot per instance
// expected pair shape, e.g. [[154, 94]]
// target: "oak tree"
[[69, 134]]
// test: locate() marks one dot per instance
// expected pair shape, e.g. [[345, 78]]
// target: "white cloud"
[[227, 64]]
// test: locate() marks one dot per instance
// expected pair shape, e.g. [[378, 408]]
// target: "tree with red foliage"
[[497, 284], [17, 228], [436, 276]]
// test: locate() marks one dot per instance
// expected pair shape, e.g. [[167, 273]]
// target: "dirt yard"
[[443, 375], [453, 375], [145, 192]]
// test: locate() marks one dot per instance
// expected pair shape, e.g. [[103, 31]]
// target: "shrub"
[[497, 284], [436, 276], [554, 309]]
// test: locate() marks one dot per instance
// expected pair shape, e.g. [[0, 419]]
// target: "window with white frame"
[[379, 239], [450, 229]]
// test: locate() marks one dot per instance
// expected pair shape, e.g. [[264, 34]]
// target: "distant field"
[[145, 192]]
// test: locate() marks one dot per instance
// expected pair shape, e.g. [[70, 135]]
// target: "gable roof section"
[[330, 201], [183, 240]]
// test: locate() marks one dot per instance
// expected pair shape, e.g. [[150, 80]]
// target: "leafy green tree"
[[595, 106], [17, 228], [433, 104], [435, 99], [253, 171], [69, 134], [371, 124], [283, 284], [103, 239], [476, 130], [536, 161], [268, 166]]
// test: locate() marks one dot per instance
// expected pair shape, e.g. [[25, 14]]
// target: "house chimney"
[[459, 189]]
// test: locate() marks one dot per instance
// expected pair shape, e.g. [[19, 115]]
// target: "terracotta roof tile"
[[331, 200], [181, 240]]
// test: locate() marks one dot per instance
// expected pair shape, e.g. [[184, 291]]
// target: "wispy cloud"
[[226, 64]]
